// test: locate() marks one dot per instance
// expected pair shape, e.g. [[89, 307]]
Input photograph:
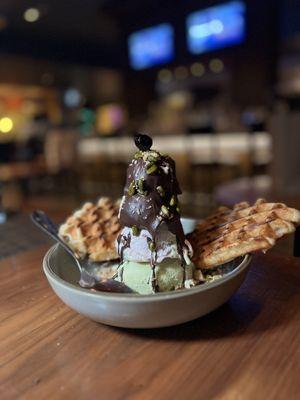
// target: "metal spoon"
[[42, 221]]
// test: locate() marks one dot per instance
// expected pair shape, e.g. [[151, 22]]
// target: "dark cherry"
[[142, 142]]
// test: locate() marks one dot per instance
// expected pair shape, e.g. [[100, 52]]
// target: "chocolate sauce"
[[110, 285], [153, 263], [144, 210], [123, 243], [150, 199]]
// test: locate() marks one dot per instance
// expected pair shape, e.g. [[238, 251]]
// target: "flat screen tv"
[[216, 27], [151, 46]]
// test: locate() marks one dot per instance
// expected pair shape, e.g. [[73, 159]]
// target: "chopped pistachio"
[[132, 188], [160, 190], [140, 187], [151, 168], [165, 211], [138, 154], [153, 157], [135, 230], [151, 245], [173, 201]]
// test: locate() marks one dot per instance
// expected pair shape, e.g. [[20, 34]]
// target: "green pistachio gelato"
[[169, 275]]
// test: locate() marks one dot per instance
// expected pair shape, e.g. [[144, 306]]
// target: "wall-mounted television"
[[151, 46], [216, 27]]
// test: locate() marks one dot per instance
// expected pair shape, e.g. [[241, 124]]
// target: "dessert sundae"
[[154, 253], [143, 236]]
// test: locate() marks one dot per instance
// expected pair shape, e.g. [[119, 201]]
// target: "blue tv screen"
[[216, 27], [151, 46]]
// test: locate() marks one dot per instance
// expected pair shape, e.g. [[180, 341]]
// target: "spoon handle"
[[42, 221]]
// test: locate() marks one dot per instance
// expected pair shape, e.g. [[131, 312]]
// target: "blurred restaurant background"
[[215, 83]]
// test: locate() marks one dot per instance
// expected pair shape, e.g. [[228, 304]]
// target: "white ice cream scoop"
[[138, 248]]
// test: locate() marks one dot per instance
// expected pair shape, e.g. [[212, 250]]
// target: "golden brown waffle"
[[92, 231], [230, 233]]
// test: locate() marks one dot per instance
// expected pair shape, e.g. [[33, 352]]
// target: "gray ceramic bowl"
[[134, 310]]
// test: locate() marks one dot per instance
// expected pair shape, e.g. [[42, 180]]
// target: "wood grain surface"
[[247, 349]]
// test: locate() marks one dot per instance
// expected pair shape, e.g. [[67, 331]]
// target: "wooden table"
[[248, 349]]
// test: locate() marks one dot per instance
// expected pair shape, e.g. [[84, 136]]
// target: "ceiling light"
[[72, 97], [31, 15], [216, 65], [197, 69], [6, 125]]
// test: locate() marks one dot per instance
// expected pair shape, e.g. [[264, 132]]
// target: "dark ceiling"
[[76, 30], [95, 31], [88, 19], [87, 31]]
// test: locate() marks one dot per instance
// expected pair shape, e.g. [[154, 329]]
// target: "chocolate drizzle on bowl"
[[150, 200]]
